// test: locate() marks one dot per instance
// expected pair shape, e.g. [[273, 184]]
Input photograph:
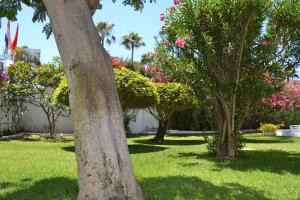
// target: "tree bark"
[[226, 142], [104, 166], [161, 131]]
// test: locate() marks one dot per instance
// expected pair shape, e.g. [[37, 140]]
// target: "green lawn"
[[179, 169]]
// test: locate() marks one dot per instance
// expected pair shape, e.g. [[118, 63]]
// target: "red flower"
[[117, 63]]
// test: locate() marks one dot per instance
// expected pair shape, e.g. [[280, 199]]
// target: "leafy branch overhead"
[[10, 9]]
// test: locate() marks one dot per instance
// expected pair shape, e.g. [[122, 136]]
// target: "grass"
[[178, 169]]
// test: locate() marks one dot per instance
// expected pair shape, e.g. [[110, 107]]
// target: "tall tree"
[[233, 50], [131, 42], [105, 32], [104, 166]]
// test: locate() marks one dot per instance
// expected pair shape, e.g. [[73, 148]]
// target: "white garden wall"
[[35, 120]]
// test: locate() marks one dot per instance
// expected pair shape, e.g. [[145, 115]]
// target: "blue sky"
[[146, 23]]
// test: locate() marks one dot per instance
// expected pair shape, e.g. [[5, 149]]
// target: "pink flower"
[[148, 70], [156, 68], [166, 42], [162, 17], [4, 76], [180, 43], [176, 2], [162, 79], [153, 80]]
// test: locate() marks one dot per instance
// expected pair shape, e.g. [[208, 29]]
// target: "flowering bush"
[[286, 99], [156, 74]]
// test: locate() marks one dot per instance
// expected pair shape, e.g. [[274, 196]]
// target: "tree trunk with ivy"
[[104, 166]]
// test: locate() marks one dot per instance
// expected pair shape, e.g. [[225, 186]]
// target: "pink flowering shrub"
[[156, 75], [180, 43], [286, 99]]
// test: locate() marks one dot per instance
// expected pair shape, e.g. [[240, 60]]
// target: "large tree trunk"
[[227, 138], [104, 166], [226, 144]]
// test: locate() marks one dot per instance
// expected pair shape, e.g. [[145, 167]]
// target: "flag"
[[8, 42], [15, 41]]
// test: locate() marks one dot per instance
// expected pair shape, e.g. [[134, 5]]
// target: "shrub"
[[268, 128], [211, 143], [60, 94], [135, 90]]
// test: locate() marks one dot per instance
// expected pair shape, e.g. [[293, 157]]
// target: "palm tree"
[[131, 41], [105, 32]]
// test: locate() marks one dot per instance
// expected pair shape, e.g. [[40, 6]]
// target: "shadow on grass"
[[273, 161], [47, 189], [193, 188], [177, 142], [162, 188], [133, 148], [4, 185]]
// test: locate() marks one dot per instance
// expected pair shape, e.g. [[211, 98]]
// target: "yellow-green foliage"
[[61, 93], [175, 97], [268, 128], [135, 90]]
